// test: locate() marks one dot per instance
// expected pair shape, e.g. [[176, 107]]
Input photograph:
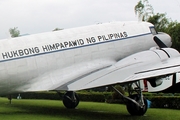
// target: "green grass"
[[54, 110]]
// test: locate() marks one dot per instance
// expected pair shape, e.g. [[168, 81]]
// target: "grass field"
[[54, 110]]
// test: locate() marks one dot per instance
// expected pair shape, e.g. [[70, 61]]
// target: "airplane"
[[92, 56]]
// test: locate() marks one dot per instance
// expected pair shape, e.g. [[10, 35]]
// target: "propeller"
[[159, 42]]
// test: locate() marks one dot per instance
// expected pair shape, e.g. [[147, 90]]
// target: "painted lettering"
[[91, 40], [20, 52]]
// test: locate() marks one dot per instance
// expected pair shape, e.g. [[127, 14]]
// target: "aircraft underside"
[[136, 103]]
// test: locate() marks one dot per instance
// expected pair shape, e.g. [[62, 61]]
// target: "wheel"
[[70, 100], [134, 109]]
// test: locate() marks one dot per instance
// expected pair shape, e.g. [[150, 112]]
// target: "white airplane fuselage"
[[66, 54]]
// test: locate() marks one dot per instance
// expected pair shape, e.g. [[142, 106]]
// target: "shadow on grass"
[[59, 111]]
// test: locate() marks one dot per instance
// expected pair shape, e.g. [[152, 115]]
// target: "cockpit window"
[[153, 30]]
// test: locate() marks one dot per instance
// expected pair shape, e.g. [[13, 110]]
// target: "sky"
[[37, 16]]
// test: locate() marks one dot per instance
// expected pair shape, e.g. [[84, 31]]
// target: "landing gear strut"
[[70, 100], [135, 109], [136, 104]]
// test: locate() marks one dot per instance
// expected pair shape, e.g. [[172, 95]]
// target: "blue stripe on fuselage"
[[114, 40]]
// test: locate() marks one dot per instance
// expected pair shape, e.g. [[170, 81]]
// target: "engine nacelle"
[[171, 52], [156, 84], [154, 55], [167, 83]]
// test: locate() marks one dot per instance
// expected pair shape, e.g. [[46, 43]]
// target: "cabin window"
[[153, 31]]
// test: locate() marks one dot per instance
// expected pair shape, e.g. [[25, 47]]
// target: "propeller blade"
[[159, 42]]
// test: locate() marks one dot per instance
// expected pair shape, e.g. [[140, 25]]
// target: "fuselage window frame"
[[153, 30]]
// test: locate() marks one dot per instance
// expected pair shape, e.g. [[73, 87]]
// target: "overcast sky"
[[36, 16]]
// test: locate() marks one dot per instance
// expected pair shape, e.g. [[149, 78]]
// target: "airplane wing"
[[126, 71], [60, 78], [146, 64]]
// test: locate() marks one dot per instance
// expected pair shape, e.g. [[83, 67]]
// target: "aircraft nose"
[[165, 38]]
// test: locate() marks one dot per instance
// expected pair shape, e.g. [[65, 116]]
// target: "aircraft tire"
[[70, 100], [135, 110]]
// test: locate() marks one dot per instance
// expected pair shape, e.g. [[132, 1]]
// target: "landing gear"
[[136, 104], [70, 100], [10, 99], [135, 109]]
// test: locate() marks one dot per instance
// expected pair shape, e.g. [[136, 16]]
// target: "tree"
[[173, 30], [57, 29], [14, 32], [160, 21], [143, 9]]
